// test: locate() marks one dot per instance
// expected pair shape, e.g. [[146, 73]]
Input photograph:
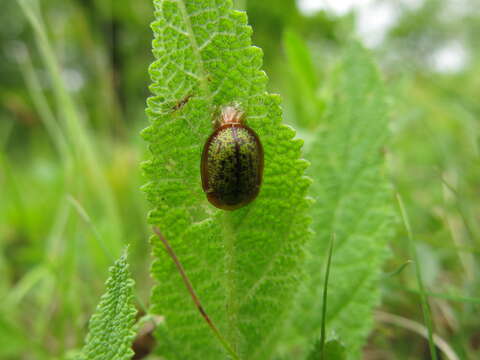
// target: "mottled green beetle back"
[[232, 166]]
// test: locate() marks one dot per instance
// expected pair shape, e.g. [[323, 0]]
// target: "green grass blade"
[[42, 106], [86, 158], [398, 270], [423, 296]]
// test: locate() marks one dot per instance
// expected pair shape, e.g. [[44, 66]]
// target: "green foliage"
[[423, 297], [11, 338], [72, 96], [334, 350], [308, 105], [243, 264], [270, 19], [111, 331], [352, 202]]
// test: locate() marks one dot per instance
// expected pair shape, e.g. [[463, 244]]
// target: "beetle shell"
[[232, 166]]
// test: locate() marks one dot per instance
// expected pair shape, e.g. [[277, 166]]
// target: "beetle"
[[232, 162]]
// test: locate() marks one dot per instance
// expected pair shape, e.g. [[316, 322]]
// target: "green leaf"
[[244, 264], [304, 83], [353, 201], [111, 331], [300, 61], [334, 350]]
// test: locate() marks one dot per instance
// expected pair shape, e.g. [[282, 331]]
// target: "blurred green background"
[[73, 85]]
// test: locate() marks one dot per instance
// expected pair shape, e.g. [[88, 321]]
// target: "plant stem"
[[419, 329]]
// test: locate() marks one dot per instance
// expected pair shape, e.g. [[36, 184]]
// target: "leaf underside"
[[353, 202], [111, 331], [244, 264]]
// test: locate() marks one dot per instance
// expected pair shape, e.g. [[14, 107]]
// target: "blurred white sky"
[[374, 18], [343, 6]]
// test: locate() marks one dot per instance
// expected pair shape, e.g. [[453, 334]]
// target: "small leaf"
[[111, 331], [244, 265]]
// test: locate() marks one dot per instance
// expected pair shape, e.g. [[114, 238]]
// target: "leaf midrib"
[[196, 50], [229, 236]]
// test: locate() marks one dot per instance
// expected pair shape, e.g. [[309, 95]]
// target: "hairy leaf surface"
[[243, 264], [352, 201], [111, 331]]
